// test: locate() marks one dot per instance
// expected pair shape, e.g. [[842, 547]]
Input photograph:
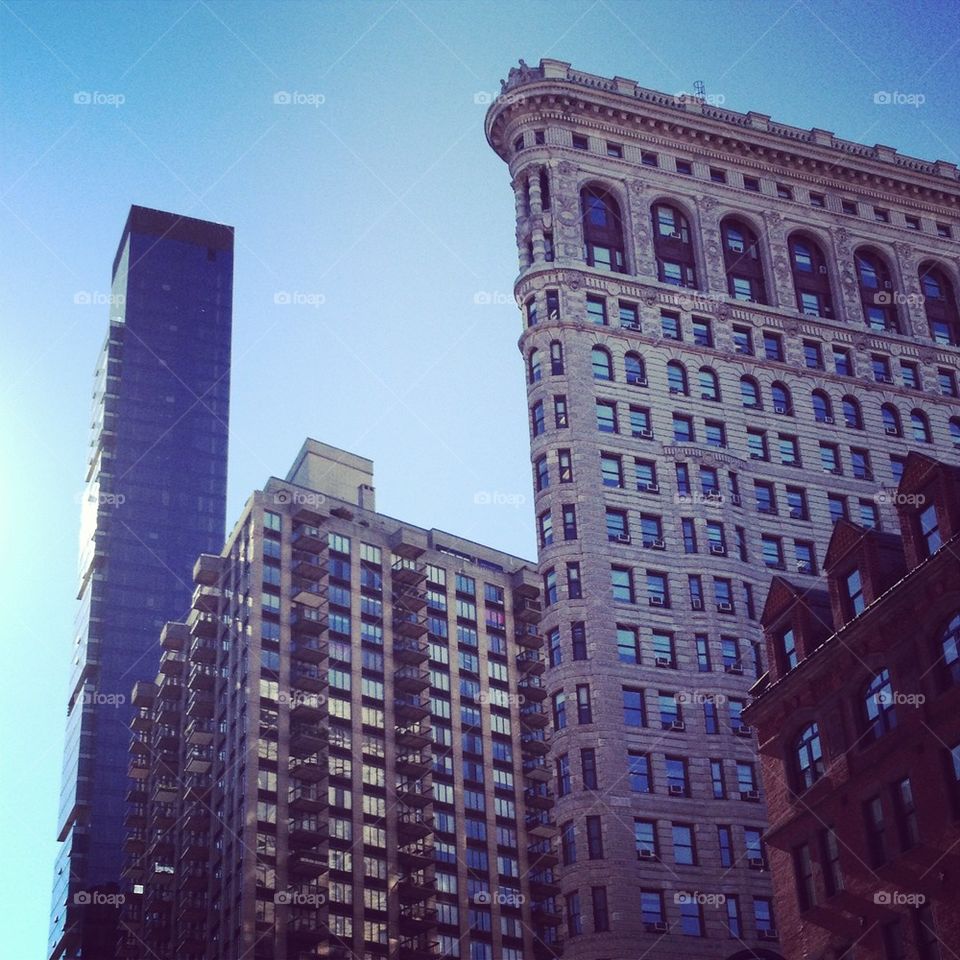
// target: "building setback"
[[858, 720], [343, 752], [734, 333], [154, 498]]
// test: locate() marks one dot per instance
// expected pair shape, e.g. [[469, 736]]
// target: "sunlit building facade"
[[734, 332], [343, 754]]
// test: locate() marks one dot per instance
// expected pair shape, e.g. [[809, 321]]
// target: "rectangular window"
[[702, 332], [905, 810], [597, 310], [634, 711], [640, 425], [649, 159], [563, 775], [743, 340], [578, 639], [684, 847], [574, 583], [638, 769], [773, 346], [621, 579], [658, 594], [645, 839], [594, 838], [717, 784], [606, 416], [588, 768], [611, 470], [876, 831], [830, 861], [670, 325], [842, 363], [812, 355], [601, 913], [628, 315], [628, 644]]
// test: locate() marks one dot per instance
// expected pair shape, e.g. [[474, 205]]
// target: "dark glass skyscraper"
[[154, 498]]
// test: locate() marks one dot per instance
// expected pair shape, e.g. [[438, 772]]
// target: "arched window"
[[741, 261], [822, 407], [891, 420], [940, 304], [556, 357], [750, 393], [673, 247], [811, 279], [602, 367], [677, 377], [920, 426], [782, 402], [709, 384], [877, 295], [602, 230], [635, 369], [852, 417], [950, 651], [955, 430], [534, 369], [879, 710], [808, 765]]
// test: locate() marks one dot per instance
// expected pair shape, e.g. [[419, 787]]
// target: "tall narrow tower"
[[154, 498], [734, 332]]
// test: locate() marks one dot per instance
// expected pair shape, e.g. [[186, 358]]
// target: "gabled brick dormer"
[[928, 506], [861, 563], [795, 622]]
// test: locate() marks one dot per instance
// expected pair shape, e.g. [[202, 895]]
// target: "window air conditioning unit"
[[736, 668], [658, 544], [646, 435], [779, 408], [891, 431], [736, 499], [822, 269], [655, 601], [756, 863], [744, 731], [827, 419], [796, 513], [676, 390], [676, 790], [678, 725], [769, 934], [623, 538], [636, 379], [750, 795], [803, 566], [887, 285], [725, 607], [707, 396], [651, 487], [719, 549], [696, 603], [664, 662], [646, 854]]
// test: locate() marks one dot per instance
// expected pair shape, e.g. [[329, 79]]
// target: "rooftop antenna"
[[699, 90]]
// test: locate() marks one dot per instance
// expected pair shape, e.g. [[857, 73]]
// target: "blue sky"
[[381, 212]]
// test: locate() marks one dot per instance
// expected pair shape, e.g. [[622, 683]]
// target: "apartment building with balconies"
[[343, 753]]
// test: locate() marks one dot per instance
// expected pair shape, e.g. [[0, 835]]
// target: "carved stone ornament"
[[566, 169], [707, 203], [571, 280], [638, 187], [904, 252]]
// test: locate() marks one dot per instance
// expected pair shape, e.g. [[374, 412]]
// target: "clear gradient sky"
[[379, 213]]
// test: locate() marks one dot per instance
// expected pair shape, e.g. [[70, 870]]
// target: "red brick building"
[[858, 721]]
